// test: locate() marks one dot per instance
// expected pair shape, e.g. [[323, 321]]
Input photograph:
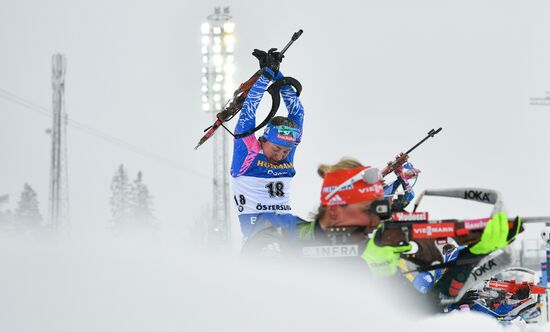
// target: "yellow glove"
[[383, 260], [495, 235]]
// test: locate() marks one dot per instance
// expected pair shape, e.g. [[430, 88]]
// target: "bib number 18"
[[275, 189], [240, 201]]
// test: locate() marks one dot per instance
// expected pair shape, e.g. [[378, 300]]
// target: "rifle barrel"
[[295, 37], [545, 219], [432, 133], [242, 90]]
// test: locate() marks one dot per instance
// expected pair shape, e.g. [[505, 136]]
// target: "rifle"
[[403, 171], [430, 238], [402, 158], [503, 299], [235, 104], [520, 290]]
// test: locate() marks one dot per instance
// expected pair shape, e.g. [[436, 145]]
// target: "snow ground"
[[146, 286]]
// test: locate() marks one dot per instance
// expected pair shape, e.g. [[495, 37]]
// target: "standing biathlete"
[[263, 168]]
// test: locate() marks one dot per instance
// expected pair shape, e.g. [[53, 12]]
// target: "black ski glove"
[[271, 59], [469, 298]]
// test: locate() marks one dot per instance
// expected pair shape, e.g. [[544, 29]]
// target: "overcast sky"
[[376, 76]]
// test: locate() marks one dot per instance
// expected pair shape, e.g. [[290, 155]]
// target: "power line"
[[98, 134]]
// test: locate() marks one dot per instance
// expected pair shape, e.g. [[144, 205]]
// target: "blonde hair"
[[323, 169], [344, 163]]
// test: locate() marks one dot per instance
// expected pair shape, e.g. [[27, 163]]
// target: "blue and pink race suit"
[[262, 189]]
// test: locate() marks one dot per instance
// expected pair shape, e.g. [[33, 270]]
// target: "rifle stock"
[[431, 236]]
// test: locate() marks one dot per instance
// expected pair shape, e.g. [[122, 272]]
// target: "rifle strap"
[[274, 90], [226, 129]]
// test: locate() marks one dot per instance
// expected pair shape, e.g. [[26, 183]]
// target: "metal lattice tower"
[[59, 198], [217, 52]]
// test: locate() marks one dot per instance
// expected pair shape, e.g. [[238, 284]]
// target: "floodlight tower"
[[59, 198], [218, 44]]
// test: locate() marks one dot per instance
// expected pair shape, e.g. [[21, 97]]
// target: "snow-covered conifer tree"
[[141, 204], [120, 199], [27, 213], [5, 215]]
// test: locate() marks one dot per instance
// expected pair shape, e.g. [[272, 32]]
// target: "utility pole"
[[217, 87], [59, 196]]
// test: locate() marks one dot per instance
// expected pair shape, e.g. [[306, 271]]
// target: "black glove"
[[469, 298], [271, 59], [522, 293]]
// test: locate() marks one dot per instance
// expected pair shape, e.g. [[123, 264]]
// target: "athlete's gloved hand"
[[495, 235], [270, 59], [468, 298], [383, 260], [260, 55]]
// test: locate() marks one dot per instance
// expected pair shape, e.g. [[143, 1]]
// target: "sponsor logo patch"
[[289, 138], [475, 224], [482, 269], [331, 251], [372, 188], [414, 216], [336, 200], [498, 284], [477, 196], [266, 164], [330, 189], [431, 231]]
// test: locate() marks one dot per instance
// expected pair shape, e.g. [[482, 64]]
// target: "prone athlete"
[[347, 216], [346, 224]]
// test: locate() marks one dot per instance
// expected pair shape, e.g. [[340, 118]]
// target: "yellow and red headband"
[[352, 185]]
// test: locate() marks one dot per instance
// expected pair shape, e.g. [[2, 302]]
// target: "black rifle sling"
[[274, 90]]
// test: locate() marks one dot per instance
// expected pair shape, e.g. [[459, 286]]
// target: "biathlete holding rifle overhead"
[[263, 168]]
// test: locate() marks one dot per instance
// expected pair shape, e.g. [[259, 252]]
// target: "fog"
[[137, 285], [377, 76]]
